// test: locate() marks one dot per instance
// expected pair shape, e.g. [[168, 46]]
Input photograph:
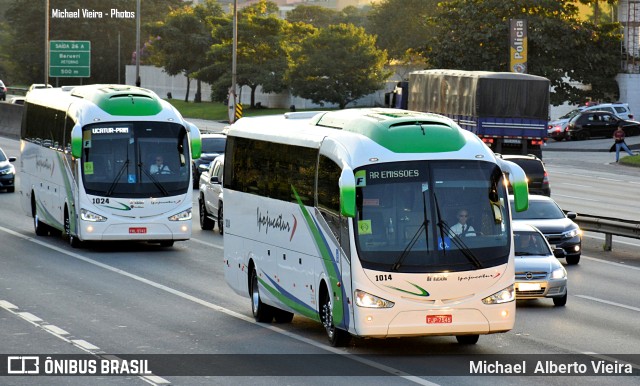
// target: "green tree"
[[560, 46], [315, 15], [401, 26], [182, 40], [339, 64], [262, 52]]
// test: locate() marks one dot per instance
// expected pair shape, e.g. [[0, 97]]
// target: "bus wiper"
[[155, 182], [115, 181], [407, 249], [457, 240]]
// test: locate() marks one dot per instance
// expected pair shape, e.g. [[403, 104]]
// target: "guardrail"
[[609, 226]]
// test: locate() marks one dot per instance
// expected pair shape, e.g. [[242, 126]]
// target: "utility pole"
[[46, 43], [234, 54], [138, 81]]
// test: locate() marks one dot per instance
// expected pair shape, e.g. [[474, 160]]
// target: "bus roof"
[[114, 100], [398, 131]]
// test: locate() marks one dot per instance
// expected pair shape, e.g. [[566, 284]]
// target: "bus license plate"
[[433, 319], [138, 230]]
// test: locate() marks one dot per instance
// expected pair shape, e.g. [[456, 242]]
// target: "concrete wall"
[[10, 120], [630, 92], [155, 79]]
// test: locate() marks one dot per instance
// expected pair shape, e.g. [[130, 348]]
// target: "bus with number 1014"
[[350, 218], [106, 162]]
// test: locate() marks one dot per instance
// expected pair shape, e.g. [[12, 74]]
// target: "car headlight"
[[559, 273], [571, 233], [182, 216], [90, 216], [504, 296], [364, 299], [10, 170]]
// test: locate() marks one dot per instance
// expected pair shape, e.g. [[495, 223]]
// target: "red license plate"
[[138, 230], [433, 319]]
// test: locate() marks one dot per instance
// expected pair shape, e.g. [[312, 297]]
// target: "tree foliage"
[[560, 47], [401, 25], [180, 42], [339, 64]]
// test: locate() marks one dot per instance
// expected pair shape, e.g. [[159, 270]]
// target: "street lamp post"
[[138, 82], [232, 90]]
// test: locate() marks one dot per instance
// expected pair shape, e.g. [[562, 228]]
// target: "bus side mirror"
[[77, 142], [518, 180], [347, 185], [195, 140]]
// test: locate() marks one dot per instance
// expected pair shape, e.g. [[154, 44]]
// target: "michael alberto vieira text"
[[595, 367]]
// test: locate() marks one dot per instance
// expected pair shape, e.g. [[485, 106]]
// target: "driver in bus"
[[463, 229], [159, 167]]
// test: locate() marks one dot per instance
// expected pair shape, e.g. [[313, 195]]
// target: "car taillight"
[[545, 179]]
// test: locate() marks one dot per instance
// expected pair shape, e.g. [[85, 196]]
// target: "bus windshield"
[[432, 216], [135, 159]]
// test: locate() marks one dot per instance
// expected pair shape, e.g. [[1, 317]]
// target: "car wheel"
[[206, 223], [262, 313], [573, 260], [337, 337], [220, 219], [467, 339], [584, 134], [560, 302]]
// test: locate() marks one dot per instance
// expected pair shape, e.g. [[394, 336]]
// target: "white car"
[[210, 198], [539, 274], [557, 129]]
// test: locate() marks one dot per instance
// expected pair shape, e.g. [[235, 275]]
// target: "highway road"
[[139, 299]]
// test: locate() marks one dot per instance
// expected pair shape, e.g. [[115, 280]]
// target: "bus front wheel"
[[262, 313], [336, 336], [73, 240]]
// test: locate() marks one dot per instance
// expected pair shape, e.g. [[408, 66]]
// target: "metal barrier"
[[609, 226]]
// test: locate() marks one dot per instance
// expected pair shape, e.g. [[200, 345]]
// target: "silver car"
[[539, 274]]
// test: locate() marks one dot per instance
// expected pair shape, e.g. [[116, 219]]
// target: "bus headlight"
[[504, 296], [185, 215], [90, 216], [367, 300]]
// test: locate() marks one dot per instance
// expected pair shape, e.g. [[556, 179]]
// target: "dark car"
[[537, 176], [558, 228], [212, 146], [7, 172], [590, 124], [3, 91]]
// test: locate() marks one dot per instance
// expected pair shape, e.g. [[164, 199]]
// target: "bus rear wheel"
[[262, 313], [337, 337]]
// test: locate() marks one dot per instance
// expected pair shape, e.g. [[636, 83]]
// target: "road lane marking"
[[215, 307], [577, 198], [578, 185], [79, 343], [625, 266], [609, 302], [207, 244]]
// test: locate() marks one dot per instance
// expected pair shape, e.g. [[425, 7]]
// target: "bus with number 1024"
[[350, 218], [106, 162]]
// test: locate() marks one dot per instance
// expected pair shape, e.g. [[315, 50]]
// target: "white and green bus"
[[87, 164], [349, 218]]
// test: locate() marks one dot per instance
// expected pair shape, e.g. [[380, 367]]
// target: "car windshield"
[[530, 244], [213, 145], [571, 114], [538, 210], [2, 156]]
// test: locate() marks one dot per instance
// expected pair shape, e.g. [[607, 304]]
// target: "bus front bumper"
[[95, 231]]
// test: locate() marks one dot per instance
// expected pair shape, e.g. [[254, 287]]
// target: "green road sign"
[[69, 58]]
